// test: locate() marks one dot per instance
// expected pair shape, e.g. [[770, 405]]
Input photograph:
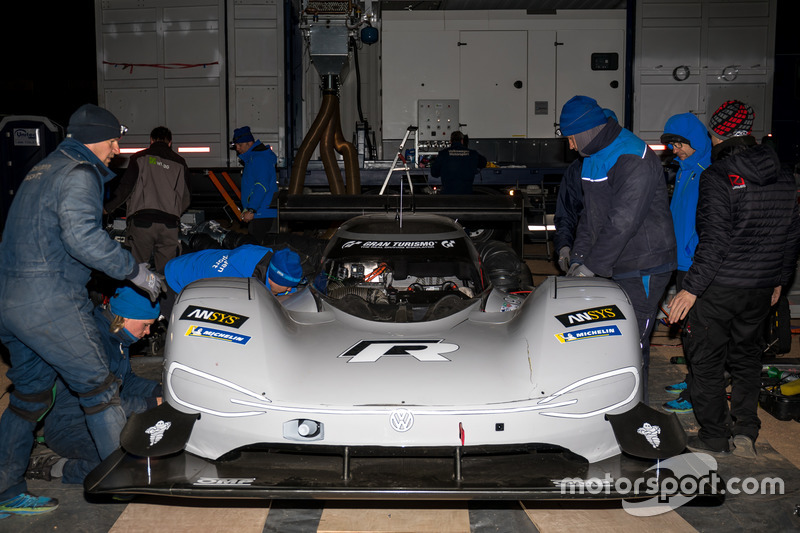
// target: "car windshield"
[[402, 278]]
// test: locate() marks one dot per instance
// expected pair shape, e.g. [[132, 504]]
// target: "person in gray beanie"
[[52, 241]]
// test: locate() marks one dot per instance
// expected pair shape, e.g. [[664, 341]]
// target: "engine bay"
[[400, 290]]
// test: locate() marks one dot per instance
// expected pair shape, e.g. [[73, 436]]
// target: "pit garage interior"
[[778, 447]]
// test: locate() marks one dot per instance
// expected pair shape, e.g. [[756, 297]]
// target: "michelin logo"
[[569, 336], [208, 333]]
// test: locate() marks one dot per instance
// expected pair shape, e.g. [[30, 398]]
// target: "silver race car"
[[410, 365]]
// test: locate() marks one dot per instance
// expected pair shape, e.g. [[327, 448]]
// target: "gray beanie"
[[92, 124]]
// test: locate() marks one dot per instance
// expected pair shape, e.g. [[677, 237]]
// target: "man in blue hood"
[[688, 139]]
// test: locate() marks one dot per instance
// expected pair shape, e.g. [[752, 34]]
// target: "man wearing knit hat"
[[280, 270], [52, 240], [749, 233], [625, 231], [71, 453], [259, 183]]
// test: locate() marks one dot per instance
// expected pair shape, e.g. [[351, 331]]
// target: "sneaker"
[[40, 466], [695, 444], [743, 447], [678, 406], [28, 504], [677, 388]]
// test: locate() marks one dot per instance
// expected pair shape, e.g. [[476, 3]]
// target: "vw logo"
[[401, 420]]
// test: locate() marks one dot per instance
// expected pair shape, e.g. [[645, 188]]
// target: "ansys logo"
[[595, 314], [214, 316]]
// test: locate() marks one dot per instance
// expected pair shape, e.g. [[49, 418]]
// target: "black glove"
[[579, 270], [563, 258], [147, 280]]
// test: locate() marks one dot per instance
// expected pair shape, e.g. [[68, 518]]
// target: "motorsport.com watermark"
[[669, 486], [673, 483]]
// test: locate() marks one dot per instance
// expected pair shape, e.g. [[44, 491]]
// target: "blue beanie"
[[580, 114], [129, 303], [610, 114], [284, 268], [91, 124], [243, 135]]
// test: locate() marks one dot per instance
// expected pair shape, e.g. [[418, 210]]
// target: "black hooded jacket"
[[747, 220]]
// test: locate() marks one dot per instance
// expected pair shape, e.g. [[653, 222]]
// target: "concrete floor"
[[778, 448]]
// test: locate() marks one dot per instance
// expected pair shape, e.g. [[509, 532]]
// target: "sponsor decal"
[[591, 333], [224, 481], [155, 161], [595, 314], [157, 431], [221, 264], [214, 316], [208, 333], [426, 351], [401, 420], [737, 182], [26, 137], [651, 433], [395, 245]]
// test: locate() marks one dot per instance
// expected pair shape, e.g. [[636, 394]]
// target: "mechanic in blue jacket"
[[52, 240], [625, 232], [688, 139], [457, 166], [280, 270], [125, 320], [569, 206], [259, 183]]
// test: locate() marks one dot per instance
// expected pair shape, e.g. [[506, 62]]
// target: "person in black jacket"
[[457, 166], [749, 230]]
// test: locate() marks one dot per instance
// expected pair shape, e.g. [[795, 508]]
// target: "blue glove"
[[579, 270]]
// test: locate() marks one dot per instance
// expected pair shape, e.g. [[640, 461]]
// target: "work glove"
[[563, 258], [147, 280], [579, 270]]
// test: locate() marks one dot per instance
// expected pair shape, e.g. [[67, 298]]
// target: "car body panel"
[[399, 351]]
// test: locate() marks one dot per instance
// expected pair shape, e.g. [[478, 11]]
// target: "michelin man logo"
[[651, 433], [157, 432]]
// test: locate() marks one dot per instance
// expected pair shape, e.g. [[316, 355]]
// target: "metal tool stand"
[[400, 157]]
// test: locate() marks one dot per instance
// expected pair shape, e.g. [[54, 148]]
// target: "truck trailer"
[[400, 79]]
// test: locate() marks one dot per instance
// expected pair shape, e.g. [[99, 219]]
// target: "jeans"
[[47, 326], [66, 433]]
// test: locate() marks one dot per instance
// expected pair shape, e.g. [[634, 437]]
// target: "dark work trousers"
[[152, 239], [645, 293], [261, 227], [726, 325], [686, 394]]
